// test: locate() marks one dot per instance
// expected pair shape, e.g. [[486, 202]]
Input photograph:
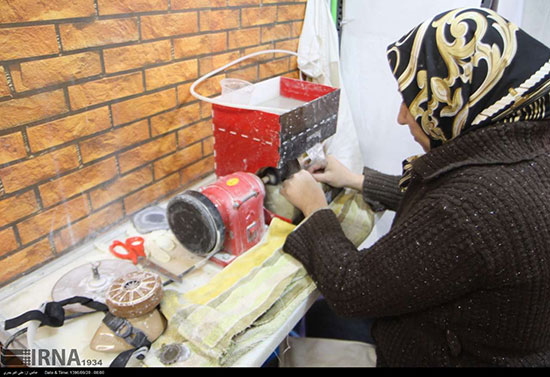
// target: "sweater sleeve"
[[416, 265], [381, 191]]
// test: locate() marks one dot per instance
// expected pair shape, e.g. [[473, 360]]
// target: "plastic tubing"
[[237, 61]]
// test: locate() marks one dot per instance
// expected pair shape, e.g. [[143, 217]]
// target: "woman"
[[463, 276]]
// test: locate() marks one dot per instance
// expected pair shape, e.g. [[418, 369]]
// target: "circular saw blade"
[[86, 282]]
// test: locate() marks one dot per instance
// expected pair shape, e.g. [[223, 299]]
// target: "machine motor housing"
[[226, 217]]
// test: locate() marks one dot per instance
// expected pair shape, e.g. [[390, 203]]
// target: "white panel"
[[536, 19]]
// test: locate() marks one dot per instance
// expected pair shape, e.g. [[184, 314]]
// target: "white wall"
[[536, 19], [369, 27]]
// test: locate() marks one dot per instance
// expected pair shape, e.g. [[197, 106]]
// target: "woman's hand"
[[303, 192], [336, 174]]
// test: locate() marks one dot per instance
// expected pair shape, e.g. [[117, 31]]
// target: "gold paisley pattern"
[[468, 68]]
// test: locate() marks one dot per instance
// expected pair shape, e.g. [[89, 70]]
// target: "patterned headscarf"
[[469, 68]]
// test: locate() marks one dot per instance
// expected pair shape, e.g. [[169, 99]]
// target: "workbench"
[[30, 291]]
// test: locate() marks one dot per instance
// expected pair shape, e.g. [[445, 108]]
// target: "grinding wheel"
[[90, 280], [196, 223], [134, 294]]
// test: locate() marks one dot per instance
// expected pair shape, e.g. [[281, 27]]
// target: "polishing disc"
[[90, 280], [196, 222]]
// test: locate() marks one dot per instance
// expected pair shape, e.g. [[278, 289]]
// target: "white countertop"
[[29, 292]]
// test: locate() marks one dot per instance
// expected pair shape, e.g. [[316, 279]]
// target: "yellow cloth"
[[256, 292], [210, 317]]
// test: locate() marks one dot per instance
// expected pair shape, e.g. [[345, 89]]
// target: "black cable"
[[20, 332]]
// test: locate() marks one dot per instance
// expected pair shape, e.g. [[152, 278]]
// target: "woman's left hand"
[[304, 192]]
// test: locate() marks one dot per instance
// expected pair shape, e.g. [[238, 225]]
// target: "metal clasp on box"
[[252, 231]]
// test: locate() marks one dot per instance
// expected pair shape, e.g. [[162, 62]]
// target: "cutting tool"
[[132, 248]]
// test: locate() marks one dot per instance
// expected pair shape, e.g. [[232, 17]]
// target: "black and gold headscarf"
[[469, 68]]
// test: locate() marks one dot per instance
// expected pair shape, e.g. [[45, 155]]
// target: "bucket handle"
[[236, 61]]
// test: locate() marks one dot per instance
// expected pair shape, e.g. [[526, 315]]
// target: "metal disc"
[[172, 353], [196, 222], [90, 280]]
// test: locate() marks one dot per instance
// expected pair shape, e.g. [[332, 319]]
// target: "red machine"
[[252, 140], [227, 215], [283, 119]]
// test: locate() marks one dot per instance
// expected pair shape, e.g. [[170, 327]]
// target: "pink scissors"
[[135, 251]]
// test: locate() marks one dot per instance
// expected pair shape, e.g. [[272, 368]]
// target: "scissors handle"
[[127, 254], [136, 244]]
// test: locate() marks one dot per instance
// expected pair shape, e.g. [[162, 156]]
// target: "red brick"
[[200, 44], [25, 42], [212, 20], [104, 90], [121, 187], [53, 219], [274, 68], [249, 74], [25, 260], [4, 88], [244, 38], [7, 241], [67, 129], [290, 45], [88, 227], [17, 207], [171, 74], [143, 106], [147, 152], [16, 112], [12, 147], [291, 12], [297, 29], [208, 146], [113, 141], [238, 3], [197, 170], [167, 25], [263, 47], [34, 170], [130, 6], [194, 4], [211, 86], [210, 63], [136, 56], [194, 133], [276, 32], [32, 10], [206, 110], [258, 16], [98, 33], [151, 194], [184, 94], [41, 73], [75, 183], [174, 119], [177, 161]]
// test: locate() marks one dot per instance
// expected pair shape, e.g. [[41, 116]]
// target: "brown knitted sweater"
[[463, 276]]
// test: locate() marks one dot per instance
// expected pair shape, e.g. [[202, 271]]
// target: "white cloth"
[[319, 58]]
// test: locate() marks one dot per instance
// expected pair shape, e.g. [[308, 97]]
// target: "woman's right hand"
[[336, 174]]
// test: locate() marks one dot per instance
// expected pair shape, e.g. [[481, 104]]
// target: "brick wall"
[[96, 119]]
